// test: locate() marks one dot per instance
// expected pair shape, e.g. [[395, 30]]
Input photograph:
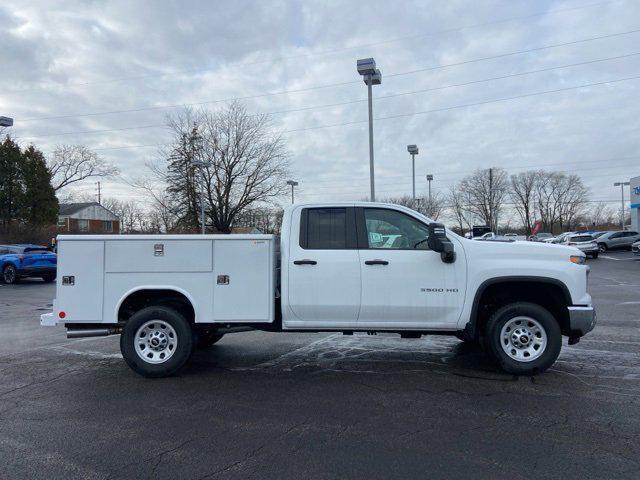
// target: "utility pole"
[[99, 197], [621, 185], [491, 199], [429, 178]]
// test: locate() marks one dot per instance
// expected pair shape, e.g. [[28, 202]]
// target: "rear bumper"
[[581, 320], [36, 271]]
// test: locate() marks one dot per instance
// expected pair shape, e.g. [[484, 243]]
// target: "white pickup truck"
[[336, 267]]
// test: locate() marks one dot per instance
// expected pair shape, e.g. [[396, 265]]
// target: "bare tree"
[[430, 208], [560, 200], [246, 164], [483, 194], [458, 212], [74, 163], [523, 196]]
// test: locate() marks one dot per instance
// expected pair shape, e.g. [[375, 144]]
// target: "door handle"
[[304, 262], [376, 262]]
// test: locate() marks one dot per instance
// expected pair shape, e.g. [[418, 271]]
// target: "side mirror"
[[438, 242]]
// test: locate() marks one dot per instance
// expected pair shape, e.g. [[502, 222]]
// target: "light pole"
[[413, 150], [201, 165], [293, 185], [429, 178], [621, 185], [371, 76], [6, 122]]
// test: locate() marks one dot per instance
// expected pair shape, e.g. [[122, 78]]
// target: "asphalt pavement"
[[292, 406]]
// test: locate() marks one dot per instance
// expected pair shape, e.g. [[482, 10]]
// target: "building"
[[634, 185], [86, 218]]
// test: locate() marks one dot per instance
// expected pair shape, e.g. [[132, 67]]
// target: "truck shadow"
[[379, 354]]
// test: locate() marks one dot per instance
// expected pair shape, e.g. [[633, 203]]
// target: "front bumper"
[[581, 320]]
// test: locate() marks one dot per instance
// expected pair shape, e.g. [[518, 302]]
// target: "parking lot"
[[263, 405]]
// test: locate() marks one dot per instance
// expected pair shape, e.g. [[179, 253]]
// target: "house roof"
[[71, 208]]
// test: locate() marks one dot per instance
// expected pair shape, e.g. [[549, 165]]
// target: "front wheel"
[[602, 247], [523, 338], [156, 341], [10, 275]]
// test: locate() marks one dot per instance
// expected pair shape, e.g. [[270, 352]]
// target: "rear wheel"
[[523, 338], [9, 275], [156, 341]]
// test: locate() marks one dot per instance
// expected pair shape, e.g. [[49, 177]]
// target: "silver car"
[[620, 240], [635, 248], [583, 242]]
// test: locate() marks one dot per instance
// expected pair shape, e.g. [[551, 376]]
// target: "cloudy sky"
[[512, 84]]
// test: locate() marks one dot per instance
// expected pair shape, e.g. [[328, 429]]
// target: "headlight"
[[579, 259]]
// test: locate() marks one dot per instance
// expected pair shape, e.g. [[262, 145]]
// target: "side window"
[[327, 229], [83, 225], [391, 229]]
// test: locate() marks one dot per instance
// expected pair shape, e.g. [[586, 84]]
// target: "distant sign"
[[6, 122], [635, 192]]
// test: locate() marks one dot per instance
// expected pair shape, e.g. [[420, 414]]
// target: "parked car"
[[583, 242], [560, 238], [619, 240], [486, 236], [328, 271], [540, 236], [26, 260], [635, 248]]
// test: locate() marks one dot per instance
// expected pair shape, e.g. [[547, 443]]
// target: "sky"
[[475, 84]]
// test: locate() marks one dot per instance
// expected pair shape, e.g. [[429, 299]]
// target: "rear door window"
[[327, 229]]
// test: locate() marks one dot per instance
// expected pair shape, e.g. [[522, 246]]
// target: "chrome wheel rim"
[[523, 339], [9, 275], [156, 341]]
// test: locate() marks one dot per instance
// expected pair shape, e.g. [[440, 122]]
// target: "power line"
[[316, 87], [475, 104], [356, 122], [332, 51]]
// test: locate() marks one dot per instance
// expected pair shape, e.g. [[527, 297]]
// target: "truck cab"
[[341, 267]]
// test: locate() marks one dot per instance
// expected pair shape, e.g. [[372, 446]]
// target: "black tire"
[[178, 358], [594, 255], [493, 340], [10, 275], [602, 247], [48, 278], [208, 338]]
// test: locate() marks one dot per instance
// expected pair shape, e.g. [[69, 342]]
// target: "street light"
[[621, 185], [200, 164], [429, 178], [371, 76], [293, 185], [413, 150], [6, 122]]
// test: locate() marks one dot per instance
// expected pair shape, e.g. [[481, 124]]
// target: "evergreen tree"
[[11, 185], [39, 203]]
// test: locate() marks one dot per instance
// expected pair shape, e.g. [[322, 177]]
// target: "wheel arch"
[[146, 295], [555, 296]]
